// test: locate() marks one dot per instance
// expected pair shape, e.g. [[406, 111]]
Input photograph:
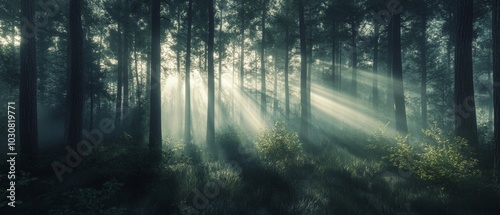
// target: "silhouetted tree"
[[465, 106], [155, 107], [496, 82], [187, 121], [211, 75], [304, 129], [76, 87], [397, 72], [28, 129]]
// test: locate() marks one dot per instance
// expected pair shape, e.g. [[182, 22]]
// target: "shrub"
[[280, 148], [439, 158], [87, 201]]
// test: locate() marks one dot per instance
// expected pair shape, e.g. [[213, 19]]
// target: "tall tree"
[[76, 91], [28, 129], [397, 72], [155, 107], [465, 122], [119, 70], [354, 60], [375, 66], [304, 121], [126, 57], [211, 87], [423, 67], [287, 86], [263, 97], [187, 123], [242, 52], [496, 81]]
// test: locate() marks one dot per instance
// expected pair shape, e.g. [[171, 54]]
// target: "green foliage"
[[439, 158], [87, 201], [280, 148]]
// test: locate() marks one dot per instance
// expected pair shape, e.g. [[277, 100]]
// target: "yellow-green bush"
[[280, 148], [438, 158]]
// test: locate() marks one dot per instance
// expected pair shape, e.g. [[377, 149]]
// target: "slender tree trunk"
[[211, 91], [496, 83], [138, 89], [28, 129], [340, 66], [390, 82], [334, 56], [263, 97], [220, 55], [375, 67], [354, 81], [423, 69], [118, 109], [76, 96], [465, 120], [179, 77], [155, 88], [275, 90], [304, 129], [397, 69], [126, 64], [242, 63], [187, 115], [287, 87]]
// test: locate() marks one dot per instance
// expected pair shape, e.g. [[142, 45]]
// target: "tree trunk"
[[287, 87], [375, 67], [220, 56], [187, 115], [242, 64], [138, 88], [423, 69], [155, 88], [465, 115], [76, 96], [118, 109], [28, 129], [126, 56], [211, 87], [354, 81], [334, 56], [304, 129], [275, 90], [390, 83], [496, 83], [397, 71], [263, 97]]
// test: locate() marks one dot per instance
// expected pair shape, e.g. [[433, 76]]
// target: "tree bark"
[[397, 71], [242, 63], [126, 64], [465, 107], [496, 83], [76, 92], [28, 129], [375, 98], [155, 88], [119, 90], [211, 87], [423, 70], [304, 129], [287, 87], [263, 97], [354, 81], [187, 115]]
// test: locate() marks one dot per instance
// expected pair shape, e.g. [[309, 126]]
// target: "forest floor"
[[331, 175]]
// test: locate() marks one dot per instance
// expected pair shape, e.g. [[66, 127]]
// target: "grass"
[[335, 175]]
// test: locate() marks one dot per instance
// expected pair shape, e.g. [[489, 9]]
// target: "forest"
[[250, 107]]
